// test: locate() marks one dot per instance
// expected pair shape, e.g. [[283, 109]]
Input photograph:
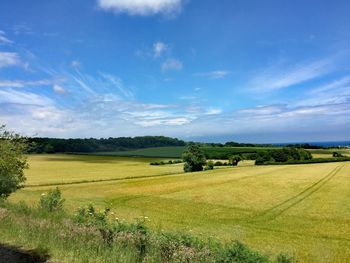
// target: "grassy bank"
[[93, 237]]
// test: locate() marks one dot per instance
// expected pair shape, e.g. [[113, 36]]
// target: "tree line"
[[55, 145]]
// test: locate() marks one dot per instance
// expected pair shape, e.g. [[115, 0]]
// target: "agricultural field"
[[166, 152], [61, 169], [327, 153], [303, 210], [176, 151]]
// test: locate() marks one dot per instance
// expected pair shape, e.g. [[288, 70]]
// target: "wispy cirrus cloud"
[[280, 76], [24, 83], [172, 64], [336, 91], [59, 89], [216, 74], [8, 59], [23, 97], [4, 39], [142, 8]]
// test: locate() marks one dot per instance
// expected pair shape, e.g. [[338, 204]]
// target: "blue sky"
[[257, 71]]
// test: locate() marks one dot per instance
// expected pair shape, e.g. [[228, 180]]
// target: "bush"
[[168, 162], [234, 160], [218, 163], [209, 166], [284, 258], [337, 154], [238, 252], [314, 160], [51, 201]]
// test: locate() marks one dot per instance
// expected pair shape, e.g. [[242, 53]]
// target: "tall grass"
[[91, 236]]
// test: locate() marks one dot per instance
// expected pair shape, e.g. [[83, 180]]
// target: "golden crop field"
[[303, 210]]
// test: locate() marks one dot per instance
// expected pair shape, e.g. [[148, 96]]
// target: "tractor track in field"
[[280, 208]]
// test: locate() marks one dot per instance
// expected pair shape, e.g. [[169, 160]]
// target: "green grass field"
[[300, 209]]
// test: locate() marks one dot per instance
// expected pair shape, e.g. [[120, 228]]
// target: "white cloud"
[[24, 83], [333, 86], [22, 97], [159, 48], [337, 91], [213, 111], [118, 83], [4, 39], [217, 74], [8, 59], [75, 64], [172, 64], [59, 89], [142, 7], [281, 76]]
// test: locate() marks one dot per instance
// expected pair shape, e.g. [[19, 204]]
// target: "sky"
[[206, 70]]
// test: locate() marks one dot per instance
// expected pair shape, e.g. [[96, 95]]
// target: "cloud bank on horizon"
[[223, 71]]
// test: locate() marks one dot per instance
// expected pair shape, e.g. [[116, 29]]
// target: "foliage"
[[219, 163], [168, 162], [234, 160], [12, 162], [194, 158], [209, 165], [222, 153], [238, 252], [313, 160], [97, 237], [285, 155], [285, 258], [51, 201], [337, 154], [53, 145]]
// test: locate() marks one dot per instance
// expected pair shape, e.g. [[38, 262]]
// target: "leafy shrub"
[[218, 163], [238, 252], [209, 165], [234, 160], [130, 234], [284, 258], [168, 162], [337, 154], [52, 201], [314, 160]]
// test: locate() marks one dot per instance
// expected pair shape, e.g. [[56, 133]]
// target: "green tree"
[[194, 159], [234, 160], [12, 162]]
